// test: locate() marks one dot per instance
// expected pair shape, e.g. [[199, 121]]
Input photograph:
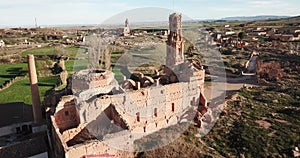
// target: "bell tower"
[[175, 43], [126, 31]]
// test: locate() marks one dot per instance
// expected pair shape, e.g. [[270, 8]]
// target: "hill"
[[254, 18]]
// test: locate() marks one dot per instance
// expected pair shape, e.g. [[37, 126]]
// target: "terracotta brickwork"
[[143, 106], [89, 79], [66, 116], [175, 43]]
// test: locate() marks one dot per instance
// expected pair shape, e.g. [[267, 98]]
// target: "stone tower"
[[126, 28], [35, 95], [175, 43]]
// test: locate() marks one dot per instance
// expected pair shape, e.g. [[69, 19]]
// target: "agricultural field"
[[73, 66], [45, 56], [9, 71], [20, 90], [69, 51]]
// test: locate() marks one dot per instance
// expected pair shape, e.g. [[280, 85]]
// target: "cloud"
[[267, 3], [3, 7]]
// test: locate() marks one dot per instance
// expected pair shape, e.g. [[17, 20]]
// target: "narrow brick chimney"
[[35, 95]]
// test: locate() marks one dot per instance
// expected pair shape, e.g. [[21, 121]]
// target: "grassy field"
[[46, 50], [118, 74], [9, 71], [261, 123], [9, 52], [20, 90], [75, 65], [70, 51]]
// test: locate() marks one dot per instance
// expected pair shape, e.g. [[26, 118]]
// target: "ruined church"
[[100, 109]]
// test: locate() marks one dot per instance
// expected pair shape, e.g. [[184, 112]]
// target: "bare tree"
[[98, 50]]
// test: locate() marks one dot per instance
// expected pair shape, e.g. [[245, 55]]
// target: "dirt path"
[[223, 87]]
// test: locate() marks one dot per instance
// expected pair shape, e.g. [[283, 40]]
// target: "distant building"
[[219, 36], [26, 42], [263, 33], [286, 38], [230, 33], [126, 28], [2, 43], [296, 36], [272, 32], [259, 29]]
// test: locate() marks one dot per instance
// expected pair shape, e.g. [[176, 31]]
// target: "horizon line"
[[141, 22]]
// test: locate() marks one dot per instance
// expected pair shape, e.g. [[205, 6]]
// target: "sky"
[[18, 13]]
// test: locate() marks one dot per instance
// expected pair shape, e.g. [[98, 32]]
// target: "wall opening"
[[124, 99], [155, 112], [194, 101], [138, 116], [173, 107], [144, 129], [66, 113]]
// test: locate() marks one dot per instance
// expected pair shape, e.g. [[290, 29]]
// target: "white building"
[[230, 33], [2, 43]]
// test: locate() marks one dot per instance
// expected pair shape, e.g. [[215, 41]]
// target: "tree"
[[270, 71], [241, 35]]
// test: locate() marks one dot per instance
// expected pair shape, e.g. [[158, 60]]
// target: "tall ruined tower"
[[175, 43], [126, 31]]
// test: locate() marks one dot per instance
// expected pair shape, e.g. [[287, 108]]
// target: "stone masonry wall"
[[95, 148], [149, 105], [67, 117]]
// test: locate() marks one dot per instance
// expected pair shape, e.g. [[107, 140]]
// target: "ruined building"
[[126, 31], [175, 43], [24, 133], [104, 117]]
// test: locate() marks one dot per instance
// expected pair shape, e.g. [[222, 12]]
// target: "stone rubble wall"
[[25, 148], [60, 146], [144, 101], [95, 147], [67, 117], [7, 84]]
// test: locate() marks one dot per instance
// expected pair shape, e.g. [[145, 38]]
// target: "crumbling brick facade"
[[175, 43], [100, 108]]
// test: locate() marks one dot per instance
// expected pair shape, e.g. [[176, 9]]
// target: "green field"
[[71, 51], [20, 90], [9, 71], [118, 74], [75, 65], [47, 50]]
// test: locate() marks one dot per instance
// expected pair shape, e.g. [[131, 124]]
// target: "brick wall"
[[67, 117]]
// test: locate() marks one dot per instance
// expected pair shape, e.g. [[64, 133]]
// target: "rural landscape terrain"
[[257, 61]]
